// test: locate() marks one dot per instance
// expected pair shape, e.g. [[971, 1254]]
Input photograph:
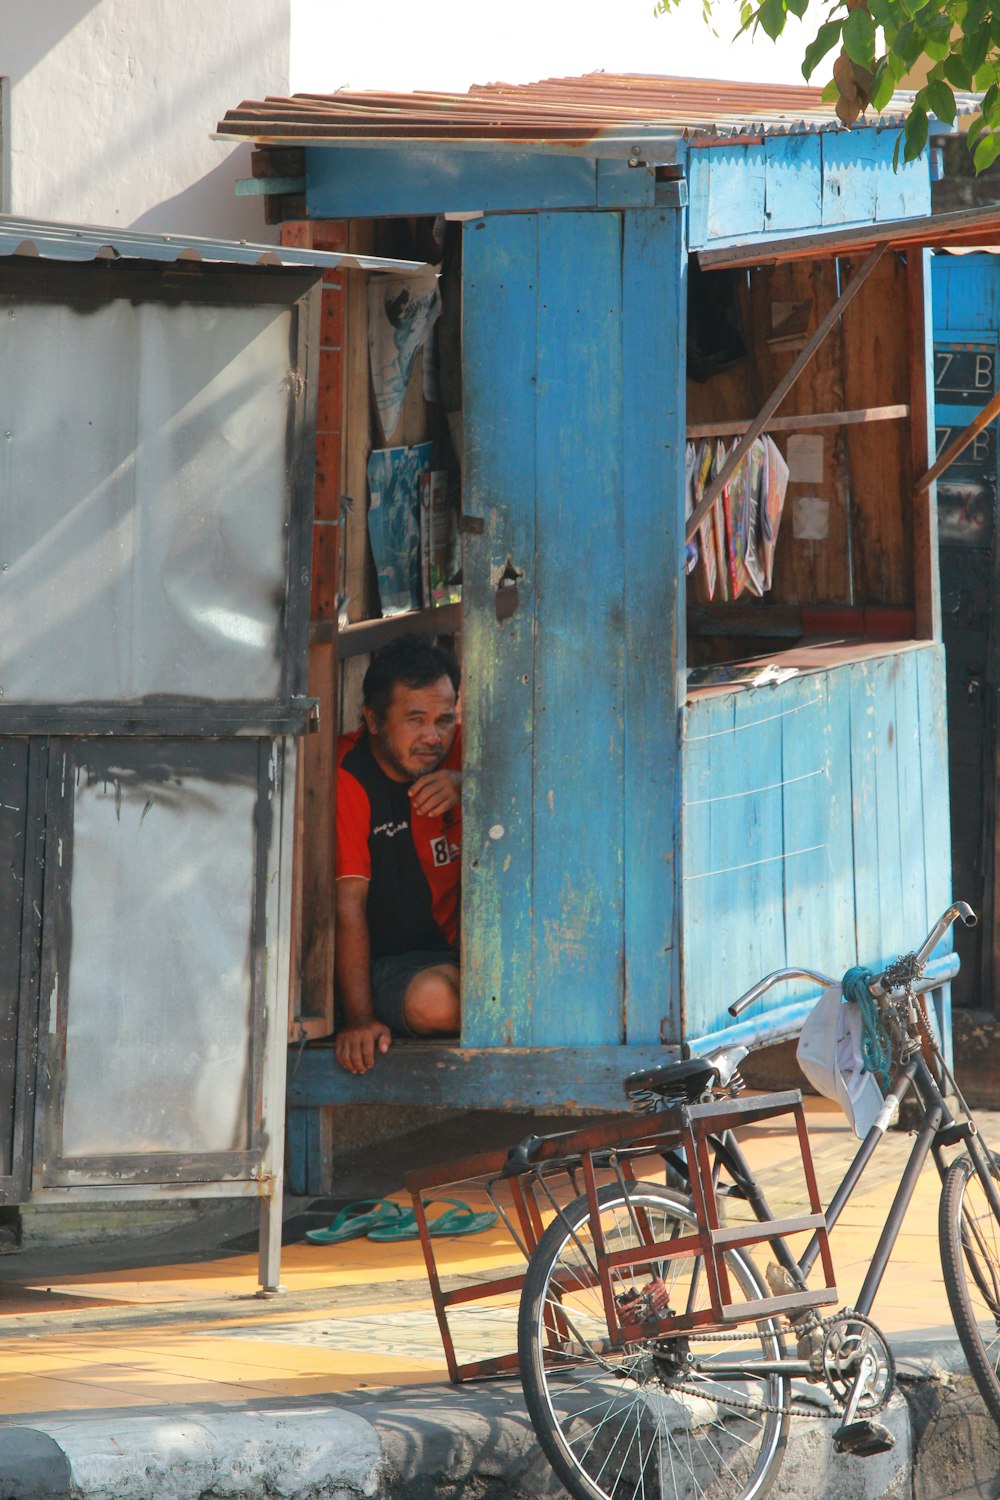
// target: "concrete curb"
[[419, 1442]]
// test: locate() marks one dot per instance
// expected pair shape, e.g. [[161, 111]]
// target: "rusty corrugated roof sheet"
[[559, 111]]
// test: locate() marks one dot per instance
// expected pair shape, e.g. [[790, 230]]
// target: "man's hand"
[[436, 793], [357, 1042]]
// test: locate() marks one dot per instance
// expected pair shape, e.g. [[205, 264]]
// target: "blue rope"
[[876, 1049]]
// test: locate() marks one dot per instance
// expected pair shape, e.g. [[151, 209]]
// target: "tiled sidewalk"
[[358, 1315]]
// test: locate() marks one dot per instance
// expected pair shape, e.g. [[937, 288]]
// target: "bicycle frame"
[[938, 1131]]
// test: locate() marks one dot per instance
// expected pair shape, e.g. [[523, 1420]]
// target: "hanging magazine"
[[440, 546], [395, 482], [756, 464], [716, 457], [736, 508], [691, 547], [775, 483], [707, 576]]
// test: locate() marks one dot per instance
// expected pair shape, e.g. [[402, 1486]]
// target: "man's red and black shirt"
[[412, 863]]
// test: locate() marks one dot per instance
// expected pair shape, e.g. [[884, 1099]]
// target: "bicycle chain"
[[819, 1325]]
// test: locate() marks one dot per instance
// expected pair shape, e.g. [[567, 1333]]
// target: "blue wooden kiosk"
[[638, 850]]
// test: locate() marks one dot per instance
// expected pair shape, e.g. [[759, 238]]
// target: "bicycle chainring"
[[848, 1337]]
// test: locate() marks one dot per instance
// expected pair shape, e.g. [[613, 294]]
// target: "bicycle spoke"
[[641, 1422], [970, 1259]]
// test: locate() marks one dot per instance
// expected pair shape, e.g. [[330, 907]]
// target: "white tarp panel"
[[143, 501], [158, 1036]]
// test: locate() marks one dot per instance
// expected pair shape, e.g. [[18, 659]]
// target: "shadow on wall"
[[139, 91], [197, 206]]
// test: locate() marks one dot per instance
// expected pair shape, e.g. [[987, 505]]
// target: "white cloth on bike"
[[829, 1054]]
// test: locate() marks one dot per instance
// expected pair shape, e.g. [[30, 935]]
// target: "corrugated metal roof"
[[51, 241], [570, 112]]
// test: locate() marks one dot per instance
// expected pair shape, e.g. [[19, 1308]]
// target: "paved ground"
[[122, 1369]]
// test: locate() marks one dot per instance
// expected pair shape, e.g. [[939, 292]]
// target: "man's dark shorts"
[[391, 977]]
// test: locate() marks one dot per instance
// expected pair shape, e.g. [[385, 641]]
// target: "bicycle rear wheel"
[[641, 1421], [970, 1259]]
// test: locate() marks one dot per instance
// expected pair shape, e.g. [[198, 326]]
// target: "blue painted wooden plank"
[[886, 744], [966, 295], [737, 844], [792, 182], [370, 182], [712, 969], [931, 707], [887, 809], [788, 806], [817, 877], [622, 186], [579, 656], [859, 184], [758, 889], [699, 176], [654, 341], [850, 176], [297, 1129], [914, 917], [736, 200], [500, 293], [698, 933], [839, 822], [864, 711], [549, 1078], [933, 745], [905, 192]]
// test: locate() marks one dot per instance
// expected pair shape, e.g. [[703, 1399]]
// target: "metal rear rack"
[[536, 1180]]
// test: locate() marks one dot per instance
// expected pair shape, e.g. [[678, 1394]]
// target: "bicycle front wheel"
[[647, 1419], [970, 1258]]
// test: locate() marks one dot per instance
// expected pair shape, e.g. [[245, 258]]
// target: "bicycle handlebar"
[[878, 988], [957, 909], [770, 980]]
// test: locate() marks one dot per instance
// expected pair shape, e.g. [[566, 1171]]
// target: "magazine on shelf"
[[395, 483], [740, 674]]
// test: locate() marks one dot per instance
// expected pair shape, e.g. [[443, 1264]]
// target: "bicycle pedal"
[[864, 1438]]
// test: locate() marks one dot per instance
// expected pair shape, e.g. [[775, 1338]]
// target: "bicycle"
[[641, 1380]]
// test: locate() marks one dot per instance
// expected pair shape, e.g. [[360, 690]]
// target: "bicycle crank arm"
[[864, 1437]]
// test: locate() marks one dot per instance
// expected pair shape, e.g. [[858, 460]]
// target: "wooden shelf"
[[363, 636]]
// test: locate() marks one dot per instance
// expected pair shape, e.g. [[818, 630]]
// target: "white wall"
[[111, 104], [397, 44]]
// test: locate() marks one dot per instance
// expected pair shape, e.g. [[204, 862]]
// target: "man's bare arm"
[[437, 793], [361, 1036]]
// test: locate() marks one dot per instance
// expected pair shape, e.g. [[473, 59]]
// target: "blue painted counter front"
[[815, 826]]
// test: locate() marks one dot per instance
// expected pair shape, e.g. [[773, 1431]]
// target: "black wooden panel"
[[13, 844]]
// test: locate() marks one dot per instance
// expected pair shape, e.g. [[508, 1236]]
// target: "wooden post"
[[312, 982], [926, 577]]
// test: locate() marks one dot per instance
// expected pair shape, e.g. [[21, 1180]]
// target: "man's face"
[[417, 731]]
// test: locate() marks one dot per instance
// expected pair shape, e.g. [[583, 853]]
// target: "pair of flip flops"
[[381, 1219]]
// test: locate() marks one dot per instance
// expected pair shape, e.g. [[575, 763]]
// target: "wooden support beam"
[[965, 437], [363, 636], [807, 422], [717, 485], [926, 575]]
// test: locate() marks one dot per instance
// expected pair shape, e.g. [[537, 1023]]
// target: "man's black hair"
[[414, 660]]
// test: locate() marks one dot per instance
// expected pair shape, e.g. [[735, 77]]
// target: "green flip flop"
[[358, 1218], [459, 1219]]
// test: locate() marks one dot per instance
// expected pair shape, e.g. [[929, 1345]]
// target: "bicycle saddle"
[[673, 1080]]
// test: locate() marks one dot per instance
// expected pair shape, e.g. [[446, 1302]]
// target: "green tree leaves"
[[953, 44]]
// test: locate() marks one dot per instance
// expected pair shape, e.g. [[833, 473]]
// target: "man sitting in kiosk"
[[399, 844]]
